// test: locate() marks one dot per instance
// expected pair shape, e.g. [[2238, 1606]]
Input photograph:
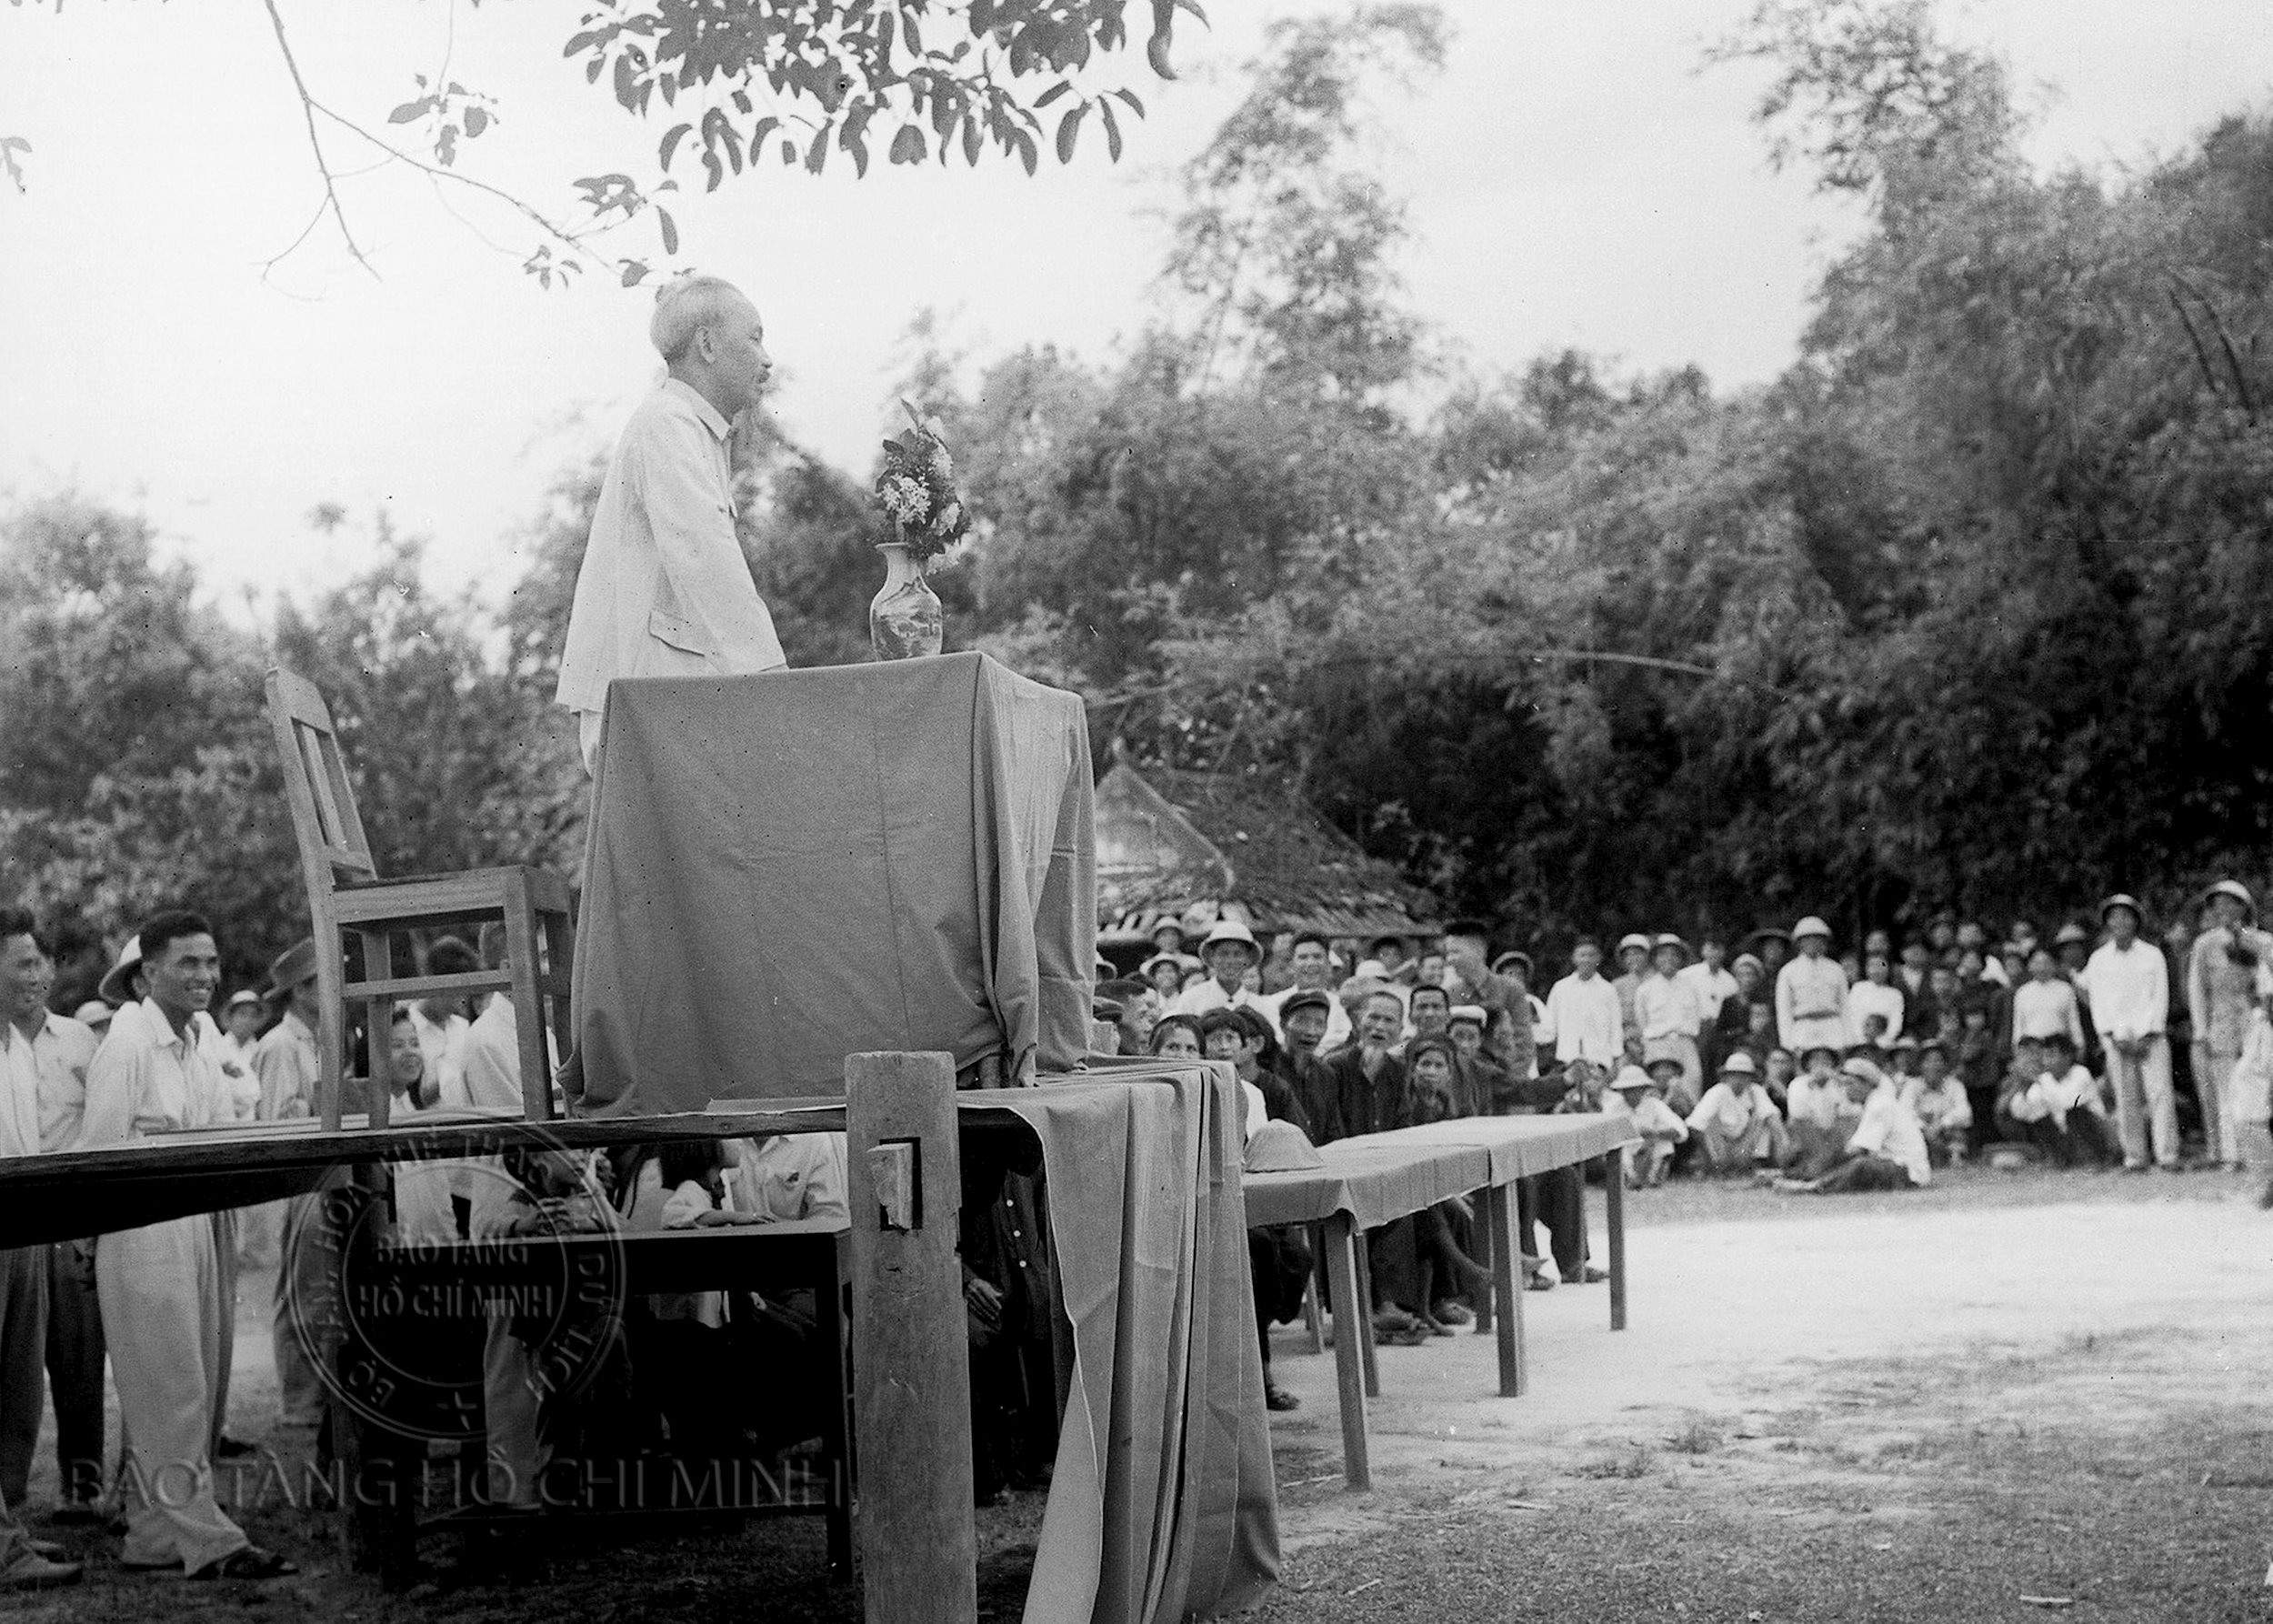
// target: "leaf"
[[634, 273], [982, 17], [477, 121], [1129, 96], [788, 151], [971, 141], [1112, 130], [908, 147], [1068, 131], [671, 138], [411, 112], [765, 127], [670, 230], [817, 154], [626, 85], [1052, 94], [907, 27], [1028, 154]]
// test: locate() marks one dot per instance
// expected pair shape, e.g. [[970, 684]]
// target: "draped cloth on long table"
[[1162, 1505], [1379, 1177], [785, 869]]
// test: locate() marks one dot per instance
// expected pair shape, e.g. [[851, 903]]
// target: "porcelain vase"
[[905, 617]]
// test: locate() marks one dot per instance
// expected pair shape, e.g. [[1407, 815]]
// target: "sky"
[[1575, 178]]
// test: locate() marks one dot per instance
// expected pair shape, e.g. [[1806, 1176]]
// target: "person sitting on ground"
[[1641, 1094], [1438, 1266], [1973, 1053], [1888, 1150], [1937, 1098], [1817, 1114], [1779, 1067], [1736, 1126], [2051, 1102]]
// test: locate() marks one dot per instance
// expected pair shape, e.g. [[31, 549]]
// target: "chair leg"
[[331, 1022], [528, 1002], [379, 960]]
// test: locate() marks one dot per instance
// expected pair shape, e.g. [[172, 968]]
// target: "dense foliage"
[[1968, 607]]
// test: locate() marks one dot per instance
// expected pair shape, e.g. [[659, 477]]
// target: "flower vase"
[[904, 618]]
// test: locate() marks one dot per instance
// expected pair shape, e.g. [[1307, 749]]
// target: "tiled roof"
[[1168, 840]]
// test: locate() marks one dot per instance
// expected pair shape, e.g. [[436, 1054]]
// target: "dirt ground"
[[2008, 1397]]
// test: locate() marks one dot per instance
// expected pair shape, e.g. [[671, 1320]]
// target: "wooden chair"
[[346, 896]]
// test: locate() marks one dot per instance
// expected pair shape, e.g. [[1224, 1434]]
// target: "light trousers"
[[160, 1290], [2145, 1105], [23, 1363], [2214, 1066]]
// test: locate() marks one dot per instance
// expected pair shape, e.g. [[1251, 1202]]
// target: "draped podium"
[[787, 869]]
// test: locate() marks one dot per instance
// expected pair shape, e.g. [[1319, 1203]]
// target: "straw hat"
[[1740, 1063], [1810, 926], [1631, 1077], [2238, 892], [1231, 930], [2122, 899], [112, 988]]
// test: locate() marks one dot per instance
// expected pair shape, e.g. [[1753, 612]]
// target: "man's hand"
[[985, 1303]]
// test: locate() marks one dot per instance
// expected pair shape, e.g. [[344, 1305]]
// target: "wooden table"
[[764, 1258], [1373, 1179]]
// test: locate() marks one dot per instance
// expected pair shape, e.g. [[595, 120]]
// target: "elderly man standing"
[[43, 1061], [2127, 985], [664, 589], [160, 1284], [2221, 994]]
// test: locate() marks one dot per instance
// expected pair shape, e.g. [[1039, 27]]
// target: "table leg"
[[1339, 1249], [1499, 1205], [828, 1287], [1613, 1215], [1313, 1294], [1361, 1314], [1489, 1244]]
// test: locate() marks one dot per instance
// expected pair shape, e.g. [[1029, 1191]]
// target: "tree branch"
[[315, 144]]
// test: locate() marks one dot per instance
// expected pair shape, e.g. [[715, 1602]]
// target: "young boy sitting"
[[1820, 1119], [2049, 1101], [1937, 1098], [1641, 1094], [1886, 1151], [1735, 1124]]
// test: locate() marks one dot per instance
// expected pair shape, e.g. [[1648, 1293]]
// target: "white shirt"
[[1720, 1110], [1652, 1117], [289, 1071], [2130, 991], [236, 1065], [1666, 1007], [1867, 997], [1945, 1106], [1710, 987], [1204, 996], [664, 589], [442, 1048], [1822, 1103], [2042, 1009], [492, 1075], [148, 1079], [1587, 1021], [1811, 1004], [791, 1176], [46, 1078], [1889, 1129], [2055, 1096]]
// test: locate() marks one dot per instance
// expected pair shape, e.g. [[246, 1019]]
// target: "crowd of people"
[[1806, 1069], [159, 1051]]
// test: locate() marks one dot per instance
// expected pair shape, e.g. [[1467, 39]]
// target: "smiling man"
[[664, 589], [159, 1071]]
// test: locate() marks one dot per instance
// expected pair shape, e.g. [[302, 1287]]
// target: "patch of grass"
[[1700, 1436], [1631, 1462]]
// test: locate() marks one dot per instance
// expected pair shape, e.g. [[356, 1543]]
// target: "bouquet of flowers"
[[917, 490]]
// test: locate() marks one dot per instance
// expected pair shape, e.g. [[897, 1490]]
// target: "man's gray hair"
[[685, 307]]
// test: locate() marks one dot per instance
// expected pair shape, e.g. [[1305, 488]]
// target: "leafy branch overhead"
[[755, 81]]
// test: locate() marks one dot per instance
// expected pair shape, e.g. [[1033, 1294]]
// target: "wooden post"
[[911, 1362], [1361, 1314], [1614, 1216]]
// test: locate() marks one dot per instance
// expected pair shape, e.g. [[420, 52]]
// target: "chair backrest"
[[325, 822]]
